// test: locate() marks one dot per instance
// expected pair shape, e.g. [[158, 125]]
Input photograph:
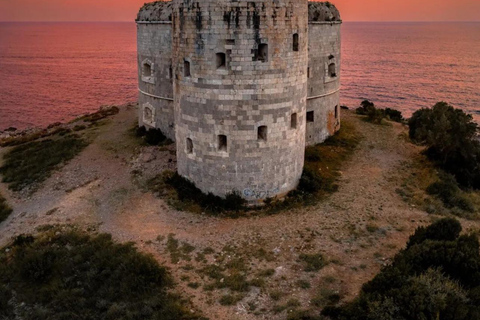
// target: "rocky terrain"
[[260, 267]]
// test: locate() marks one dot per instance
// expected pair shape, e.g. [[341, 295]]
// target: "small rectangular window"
[[310, 116], [262, 133], [186, 68], [293, 121], [147, 70], [221, 60], [308, 72], [336, 112], [332, 70], [170, 72], [189, 146], [295, 42], [222, 143], [263, 52]]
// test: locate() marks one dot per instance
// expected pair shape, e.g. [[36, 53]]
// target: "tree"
[[450, 136]]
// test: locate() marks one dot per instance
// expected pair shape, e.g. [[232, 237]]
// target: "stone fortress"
[[241, 87]]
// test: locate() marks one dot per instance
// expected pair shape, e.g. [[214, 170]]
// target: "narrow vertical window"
[[295, 42], [263, 52], [308, 72], [222, 143], [310, 116], [332, 70], [221, 60], [189, 146], [170, 72], [186, 68], [293, 121], [147, 70], [336, 112], [262, 133]]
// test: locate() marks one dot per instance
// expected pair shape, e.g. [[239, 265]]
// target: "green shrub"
[[186, 191], [366, 106], [67, 274], [436, 277], [394, 115], [5, 210], [447, 229], [313, 262], [448, 191], [153, 137], [34, 162], [376, 115], [450, 137]]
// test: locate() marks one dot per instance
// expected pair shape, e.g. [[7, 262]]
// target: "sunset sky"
[[352, 10]]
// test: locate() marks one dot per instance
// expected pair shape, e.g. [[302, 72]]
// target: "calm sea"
[[53, 72]]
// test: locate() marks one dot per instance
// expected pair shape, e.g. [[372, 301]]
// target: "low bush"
[[376, 115], [5, 210], [436, 277], [394, 115], [153, 137], [187, 194], [34, 162], [70, 275], [448, 191], [450, 136]]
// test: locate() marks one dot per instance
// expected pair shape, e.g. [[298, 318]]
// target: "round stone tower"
[[323, 102], [240, 92], [155, 72]]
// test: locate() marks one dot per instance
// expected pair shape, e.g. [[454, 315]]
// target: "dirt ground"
[[357, 229]]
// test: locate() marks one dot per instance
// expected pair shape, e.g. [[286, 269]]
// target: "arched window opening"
[[222, 143], [332, 70], [262, 133], [295, 42]]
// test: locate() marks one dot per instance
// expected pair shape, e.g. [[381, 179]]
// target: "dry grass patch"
[[32, 163], [5, 209]]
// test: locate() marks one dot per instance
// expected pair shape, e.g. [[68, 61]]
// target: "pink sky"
[[351, 10]]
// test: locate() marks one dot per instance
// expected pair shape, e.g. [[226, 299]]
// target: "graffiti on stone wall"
[[260, 194]]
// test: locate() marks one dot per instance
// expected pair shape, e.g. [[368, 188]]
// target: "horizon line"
[[346, 21]]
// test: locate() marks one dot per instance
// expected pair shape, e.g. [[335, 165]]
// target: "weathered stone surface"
[[239, 72], [155, 11], [323, 87], [323, 11]]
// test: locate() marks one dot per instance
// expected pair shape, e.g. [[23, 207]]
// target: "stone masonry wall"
[[154, 42], [234, 101], [323, 88]]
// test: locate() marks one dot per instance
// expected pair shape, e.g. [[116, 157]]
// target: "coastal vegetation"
[[437, 276], [29, 164], [64, 273], [375, 115], [152, 137], [450, 138], [5, 210]]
